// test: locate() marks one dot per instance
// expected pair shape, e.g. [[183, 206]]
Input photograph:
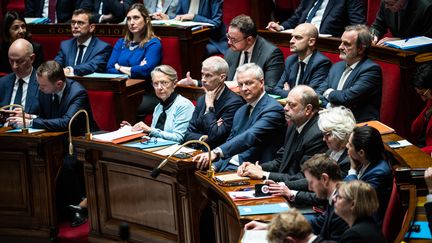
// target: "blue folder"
[[263, 209]]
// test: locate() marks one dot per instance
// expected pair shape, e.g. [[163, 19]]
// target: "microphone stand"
[[24, 129], [210, 172], [88, 135]]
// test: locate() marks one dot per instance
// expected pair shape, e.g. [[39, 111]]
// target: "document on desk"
[[418, 44], [37, 20], [263, 209], [159, 142], [173, 22], [245, 195], [171, 149], [254, 236], [30, 130], [123, 134], [106, 75]]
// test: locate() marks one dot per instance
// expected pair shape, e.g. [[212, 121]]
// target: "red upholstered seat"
[[285, 51], [171, 54], [390, 92], [15, 5], [371, 10], [68, 234], [394, 215], [334, 57], [232, 8], [103, 108], [50, 44]]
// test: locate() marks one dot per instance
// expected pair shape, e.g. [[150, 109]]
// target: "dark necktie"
[[313, 11], [302, 68], [52, 10], [160, 124], [55, 106], [246, 57], [19, 92], [80, 54]]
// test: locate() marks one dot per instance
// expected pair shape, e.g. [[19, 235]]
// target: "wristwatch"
[[211, 109]]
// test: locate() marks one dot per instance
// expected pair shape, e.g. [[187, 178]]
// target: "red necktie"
[[52, 10]]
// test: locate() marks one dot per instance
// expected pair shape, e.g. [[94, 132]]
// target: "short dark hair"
[[53, 70], [322, 163], [245, 24], [90, 15], [369, 139], [8, 19], [423, 76]]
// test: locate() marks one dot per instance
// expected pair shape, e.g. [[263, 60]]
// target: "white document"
[[120, 133], [174, 22], [410, 42], [231, 84], [254, 236], [106, 75], [171, 149], [399, 144]]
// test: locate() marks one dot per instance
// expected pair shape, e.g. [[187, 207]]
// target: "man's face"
[[21, 61], [17, 30], [250, 87], [316, 185], [210, 79], [46, 86], [236, 40], [299, 42], [295, 111], [81, 27], [348, 49]]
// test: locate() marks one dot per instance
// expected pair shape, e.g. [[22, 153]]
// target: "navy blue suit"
[[74, 98], [379, 176], [206, 124], [361, 91], [256, 137], [94, 60], [329, 225], [337, 15], [64, 8], [209, 11], [115, 7], [31, 101], [314, 76]]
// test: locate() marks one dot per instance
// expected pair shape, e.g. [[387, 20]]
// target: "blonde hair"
[[363, 195], [291, 223]]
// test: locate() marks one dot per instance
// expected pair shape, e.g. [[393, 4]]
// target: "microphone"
[[88, 135], [24, 129], [210, 172]]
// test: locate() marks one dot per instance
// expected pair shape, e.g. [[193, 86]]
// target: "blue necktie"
[[313, 11], [80, 54]]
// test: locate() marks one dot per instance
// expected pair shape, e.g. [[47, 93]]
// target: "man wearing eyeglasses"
[[85, 53], [246, 46]]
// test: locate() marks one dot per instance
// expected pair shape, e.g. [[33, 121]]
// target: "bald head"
[[21, 57], [309, 29], [303, 40]]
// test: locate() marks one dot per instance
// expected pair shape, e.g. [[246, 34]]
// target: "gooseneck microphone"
[[24, 129], [87, 135]]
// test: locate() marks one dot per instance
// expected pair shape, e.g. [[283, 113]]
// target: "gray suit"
[[169, 7]]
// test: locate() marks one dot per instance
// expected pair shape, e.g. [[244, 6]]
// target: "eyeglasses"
[[162, 83], [233, 40], [79, 23], [148, 140]]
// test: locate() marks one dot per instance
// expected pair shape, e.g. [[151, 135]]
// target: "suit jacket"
[[337, 15], [415, 20], [206, 123], [329, 225], [420, 125], [31, 101], [428, 209], [364, 230], [314, 75], [74, 98], [209, 11], [115, 7], [94, 60], [361, 91], [169, 7], [256, 138], [379, 176], [266, 55], [64, 8], [295, 151]]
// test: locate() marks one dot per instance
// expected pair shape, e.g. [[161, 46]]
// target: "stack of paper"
[[173, 22], [263, 209], [417, 44], [123, 134]]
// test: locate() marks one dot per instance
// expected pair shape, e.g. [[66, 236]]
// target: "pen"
[[197, 28]]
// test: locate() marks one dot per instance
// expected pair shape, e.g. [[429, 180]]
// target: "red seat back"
[[391, 84], [394, 215], [171, 54], [334, 57], [103, 108], [50, 44], [232, 8]]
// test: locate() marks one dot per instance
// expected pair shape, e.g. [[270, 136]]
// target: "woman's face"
[[333, 143], [135, 21], [163, 86], [425, 94], [343, 206], [17, 30]]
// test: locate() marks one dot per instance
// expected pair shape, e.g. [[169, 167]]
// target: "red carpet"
[[68, 234]]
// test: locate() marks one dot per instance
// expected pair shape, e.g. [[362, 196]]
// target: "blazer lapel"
[[73, 53], [90, 48], [256, 51], [10, 86], [32, 91], [327, 10], [291, 144]]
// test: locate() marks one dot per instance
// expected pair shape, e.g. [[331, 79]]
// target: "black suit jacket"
[[206, 124], [337, 15], [364, 230], [266, 55], [64, 8], [329, 225], [289, 158]]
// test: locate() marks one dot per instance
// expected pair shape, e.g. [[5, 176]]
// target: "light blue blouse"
[[177, 121]]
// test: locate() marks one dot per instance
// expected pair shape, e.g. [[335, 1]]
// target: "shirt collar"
[[253, 104], [26, 78], [300, 128], [85, 43], [306, 59]]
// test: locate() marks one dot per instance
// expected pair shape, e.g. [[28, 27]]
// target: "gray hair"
[[364, 37], [167, 70], [252, 68], [338, 120], [308, 96], [217, 64]]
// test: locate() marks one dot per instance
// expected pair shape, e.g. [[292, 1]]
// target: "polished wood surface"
[[28, 170]]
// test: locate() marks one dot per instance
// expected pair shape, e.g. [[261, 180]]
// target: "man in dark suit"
[[330, 18], [214, 111], [428, 204], [246, 46], [306, 65], [20, 87], [404, 19], [111, 11], [84, 54], [323, 174], [159, 8], [356, 81], [256, 132], [303, 139], [62, 9]]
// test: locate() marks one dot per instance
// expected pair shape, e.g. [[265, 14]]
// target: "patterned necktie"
[[19, 92]]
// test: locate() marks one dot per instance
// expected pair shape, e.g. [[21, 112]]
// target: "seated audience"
[[246, 46], [214, 111], [366, 152], [171, 116], [356, 202], [13, 28], [356, 81], [59, 11], [160, 9], [329, 17], [323, 176], [111, 11], [403, 18], [306, 65], [428, 204], [20, 87], [421, 128], [137, 54], [257, 128], [85, 53], [303, 139]]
